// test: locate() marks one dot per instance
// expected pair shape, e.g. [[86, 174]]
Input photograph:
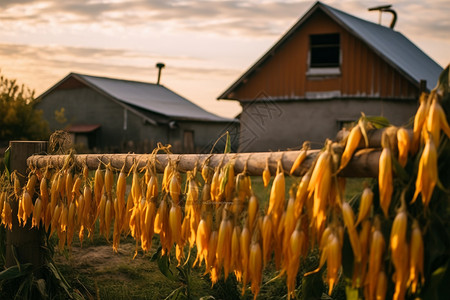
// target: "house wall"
[[279, 125], [363, 72], [206, 134], [85, 106]]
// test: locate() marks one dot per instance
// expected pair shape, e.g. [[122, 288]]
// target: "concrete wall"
[[85, 106], [207, 133], [277, 125]]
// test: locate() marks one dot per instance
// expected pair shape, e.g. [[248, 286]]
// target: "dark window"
[[324, 50]]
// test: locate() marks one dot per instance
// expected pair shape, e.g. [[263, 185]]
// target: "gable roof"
[[145, 96], [390, 45]]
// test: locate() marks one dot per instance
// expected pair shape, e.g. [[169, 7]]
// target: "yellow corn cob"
[[436, 119], [416, 257], [380, 293], [365, 204], [295, 246], [27, 204], [377, 248], [385, 176], [334, 258], [419, 120], [7, 215], [235, 263], [349, 219], [152, 188], [76, 188], [223, 251], [300, 158], [16, 183], [202, 239], [109, 213], [80, 209], [136, 190], [244, 244], [399, 252], [175, 187], [290, 222], [267, 233], [255, 267], [68, 185], [98, 185], [70, 224], [31, 183], [277, 194], [175, 219], [43, 190], [403, 146], [253, 207], [212, 247], [266, 174], [159, 217], [215, 185], [166, 177], [55, 218], [37, 211], [63, 218], [350, 146], [302, 194], [427, 174], [207, 173]]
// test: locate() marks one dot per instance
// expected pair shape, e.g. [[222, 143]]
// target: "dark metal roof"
[[142, 97], [391, 45]]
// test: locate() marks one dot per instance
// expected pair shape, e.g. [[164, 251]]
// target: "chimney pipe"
[[159, 66], [386, 8]]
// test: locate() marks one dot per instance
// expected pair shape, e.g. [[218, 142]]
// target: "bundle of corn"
[[219, 214]]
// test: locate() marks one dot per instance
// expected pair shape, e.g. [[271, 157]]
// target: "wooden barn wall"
[[363, 72]]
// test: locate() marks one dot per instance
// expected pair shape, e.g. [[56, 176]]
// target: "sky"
[[206, 45]]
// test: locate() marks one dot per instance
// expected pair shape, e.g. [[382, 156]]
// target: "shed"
[[121, 115], [327, 69]]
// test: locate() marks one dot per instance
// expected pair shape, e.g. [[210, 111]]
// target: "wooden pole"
[[364, 163], [23, 243]]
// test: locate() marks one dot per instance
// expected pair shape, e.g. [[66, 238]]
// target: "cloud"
[[254, 18], [104, 62]]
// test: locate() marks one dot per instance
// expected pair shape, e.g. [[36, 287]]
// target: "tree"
[[19, 120]]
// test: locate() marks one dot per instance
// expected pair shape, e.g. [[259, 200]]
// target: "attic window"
[[324, 51]]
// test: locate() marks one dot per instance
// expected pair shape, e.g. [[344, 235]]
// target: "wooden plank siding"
[[363, 72]]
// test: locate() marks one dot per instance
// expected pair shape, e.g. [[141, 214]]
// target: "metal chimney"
[[386, 8], [159, 66]]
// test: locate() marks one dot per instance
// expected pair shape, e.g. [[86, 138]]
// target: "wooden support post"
[[23, 243]]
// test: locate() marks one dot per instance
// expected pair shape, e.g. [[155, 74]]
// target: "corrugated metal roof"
[[391, 45], [151, 97]]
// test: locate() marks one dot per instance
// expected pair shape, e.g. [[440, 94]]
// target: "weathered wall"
[[207, 133], [85, 106], [278, 125]]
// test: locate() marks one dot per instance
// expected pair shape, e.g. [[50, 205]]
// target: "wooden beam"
[[364, 164]]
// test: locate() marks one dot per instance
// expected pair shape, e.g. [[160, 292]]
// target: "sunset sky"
[[205, 44]]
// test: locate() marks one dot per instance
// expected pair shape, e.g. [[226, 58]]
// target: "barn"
[[115, 115], [327, 69]]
